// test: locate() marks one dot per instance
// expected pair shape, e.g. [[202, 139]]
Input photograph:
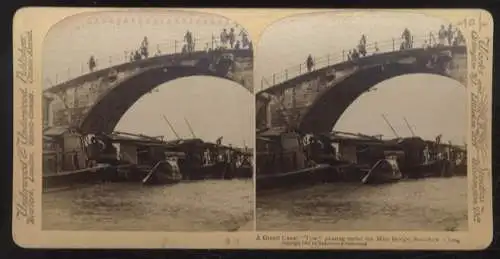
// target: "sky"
[[214, 107], [432, 104], [70, 43]]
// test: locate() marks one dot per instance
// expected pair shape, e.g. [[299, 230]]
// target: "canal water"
[[432, 204], [213, 205]]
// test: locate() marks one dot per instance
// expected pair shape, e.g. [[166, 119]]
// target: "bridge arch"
[[107, 111], [324, 113]]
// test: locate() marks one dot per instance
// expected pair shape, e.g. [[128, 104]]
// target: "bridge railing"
[[391, 45], [165, 48]]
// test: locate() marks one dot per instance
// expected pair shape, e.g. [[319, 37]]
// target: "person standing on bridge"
[[442, 35], [137, 56], [375, 49], [244, 38], [310, 63], [144, 47], [449, 34], [188, 38], [232, 37], [406, 36], [92, 63], [355, 54], [224, 37], [362, 45], [158, 51], [459, 38]]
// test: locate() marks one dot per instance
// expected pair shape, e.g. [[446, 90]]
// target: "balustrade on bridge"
[[173, 47], [392, 45]]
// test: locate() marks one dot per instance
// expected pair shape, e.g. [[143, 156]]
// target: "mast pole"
[[171, 127], [189, 126], [409, 127], [390, 126]]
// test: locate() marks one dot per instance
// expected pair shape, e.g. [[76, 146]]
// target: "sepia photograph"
[[148, 121], [151, 128], [361, 123]]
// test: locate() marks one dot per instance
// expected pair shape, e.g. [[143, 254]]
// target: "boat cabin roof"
[[55, 131], [135, 139]]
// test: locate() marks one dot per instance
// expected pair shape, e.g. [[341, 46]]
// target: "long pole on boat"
[[189, 126], [171, 127], [390, 126], [409, 127]]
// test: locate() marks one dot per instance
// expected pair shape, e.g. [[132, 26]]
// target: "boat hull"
[[438, 168], [305, 176], [384, 171], [164, 172], [79, 177]]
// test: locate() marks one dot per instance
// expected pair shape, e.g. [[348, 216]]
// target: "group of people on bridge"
[[446, 37], [141, 53], [227, 40]]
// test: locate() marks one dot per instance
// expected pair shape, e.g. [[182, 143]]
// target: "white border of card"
[[30, 25]]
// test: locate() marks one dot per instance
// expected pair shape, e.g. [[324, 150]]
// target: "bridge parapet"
[[391, 45], [293, 98], [71, 100]]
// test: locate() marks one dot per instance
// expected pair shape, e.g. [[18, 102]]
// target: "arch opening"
[[196, 107], [323, 115], [109, 109]]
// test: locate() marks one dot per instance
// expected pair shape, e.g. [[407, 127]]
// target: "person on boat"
[[427, 154], [315, 150], [309, 63], [237, 45]]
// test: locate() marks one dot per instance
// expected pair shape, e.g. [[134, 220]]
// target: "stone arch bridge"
[[96, 101], [314, 101]]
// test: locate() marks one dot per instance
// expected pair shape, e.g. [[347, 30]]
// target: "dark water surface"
[[215, 205], [432, 204]]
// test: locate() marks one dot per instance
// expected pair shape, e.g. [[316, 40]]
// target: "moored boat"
[[164, 172], [383, 171]]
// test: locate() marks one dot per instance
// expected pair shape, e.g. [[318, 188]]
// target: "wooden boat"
[[164, 172], [125, 157], [282, 162], [383, 171], [305, 176]]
